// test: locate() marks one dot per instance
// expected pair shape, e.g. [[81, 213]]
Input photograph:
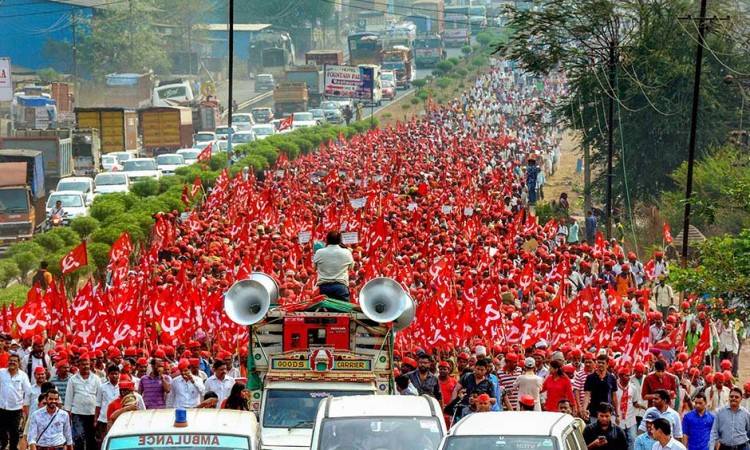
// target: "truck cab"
[[22, 192]]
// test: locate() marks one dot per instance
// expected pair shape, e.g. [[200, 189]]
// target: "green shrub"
[[462, 72], [68, 235], [50, 241], [419, 83], [84, 226], [438, 72], [145, 188], [466, 49], [26, 262], [443, 83], [484, 38], [106, 206], [445, 66], [9, 271], [25, 246], [415, 100], [98, 255], [15, 294]]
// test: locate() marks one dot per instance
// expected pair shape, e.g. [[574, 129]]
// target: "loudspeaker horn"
[[382, 299], [247, 302], [407, 316]]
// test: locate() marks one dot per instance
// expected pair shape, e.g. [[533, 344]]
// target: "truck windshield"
[[68, 201], [13, 200], [500, 442], [80, 186], [293, 408], [366, 432], [179, 442], [393, 65], [172, 92]]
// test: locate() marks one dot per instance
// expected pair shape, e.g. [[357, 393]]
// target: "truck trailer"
[[22, 195]]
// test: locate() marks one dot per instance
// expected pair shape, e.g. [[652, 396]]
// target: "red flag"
[[423, 189], [599, 244], [31, 318], [286, 123], [704, 343], [648, 269], [197, 186], [526, 280], [632, 351], [667, 233], [76, 259], [185, 197]]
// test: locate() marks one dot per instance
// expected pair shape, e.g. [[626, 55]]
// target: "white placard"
[[344, 225], [412, 206], [378, 178], [358, 202], [446, 209], [6, 84], [304, 237], [279, 174], [351, 237], [468, 211]]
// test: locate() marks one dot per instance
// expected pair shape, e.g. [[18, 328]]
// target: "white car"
[[513, 430], [73, 203], [263, 130], [141, 168], [204, 136], [242, 121], [243, 137], [303, 120], [111, 163], [170, 162], [84, 185], [111, 182], [190, 155], [222, 133], [122, 156]]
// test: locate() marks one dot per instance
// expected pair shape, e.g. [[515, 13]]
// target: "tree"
[[289, 14], [122, 38], [655, 54]]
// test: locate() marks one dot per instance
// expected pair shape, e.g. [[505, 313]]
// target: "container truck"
[[56, 147], [297, 357], [87, 147], [22, 208], [428, 50], [400, 61], [166, 129], [365, 48], [312, 76], [290, 98], [118, 127], [127, 90], [434, 10]]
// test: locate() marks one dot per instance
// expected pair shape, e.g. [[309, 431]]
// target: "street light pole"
[[702, 22], [231, 81], [610, 132]]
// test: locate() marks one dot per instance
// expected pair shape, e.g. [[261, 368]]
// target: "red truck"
[[399, 59]]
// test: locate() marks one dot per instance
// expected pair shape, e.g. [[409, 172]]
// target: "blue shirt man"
[[731, 426], [591, 228], [645, 441], [697, 424]]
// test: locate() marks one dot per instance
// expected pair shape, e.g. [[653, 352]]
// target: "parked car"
[[141, 168], [318, 114], [190, 155], [110, 163], [73, 202], [263, 130], [169, 162], [204, 136], [111, 182], [222, 133], [303, 120], [243, 137], [84, 185], [242, 121], [264, 82], [332, 111], [513, 430], [388, 88], [262, 115]]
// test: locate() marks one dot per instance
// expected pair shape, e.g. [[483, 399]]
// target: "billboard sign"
[[6, 84], [347, 81]]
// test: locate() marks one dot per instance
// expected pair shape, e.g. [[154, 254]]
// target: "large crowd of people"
[[511, 314]]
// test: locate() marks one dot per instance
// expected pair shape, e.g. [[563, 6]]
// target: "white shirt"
[[32, 398], [80, 398], [37, 362], [333, 264], [13, 390], [717, 399], [185, 394], [104, 396], [221, 388], [673, 444], [56, 435], [627, 418]]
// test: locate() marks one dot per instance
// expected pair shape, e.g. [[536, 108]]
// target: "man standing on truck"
[[333, 263]]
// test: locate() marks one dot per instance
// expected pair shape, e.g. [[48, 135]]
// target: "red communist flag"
[[205, 155], [286, 124], [76, 259], [667, 233], [197, 186], [704, 343]]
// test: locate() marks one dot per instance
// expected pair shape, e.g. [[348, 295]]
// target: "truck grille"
[[15, 229]]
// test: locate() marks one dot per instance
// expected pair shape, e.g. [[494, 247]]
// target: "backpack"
[[39, 277]]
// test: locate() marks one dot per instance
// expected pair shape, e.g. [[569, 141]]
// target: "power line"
[[66, 10]]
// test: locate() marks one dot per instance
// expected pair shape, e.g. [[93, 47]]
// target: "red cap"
[[409, 362], [37, 340], [511, 357], [527, 400], [142, 362], [589, 355], [710, 378], [727, 375], [463, 355], [195, 362], [85, 357], [159, 353], [725, 364], [184, 364], [131, 351], [575, 353], [685, 305], [62, 362], [678, 366], [706, 370], [568, 368], [114, 353], [194, 344], [718, 376], [640, 367], [225, 355], [483, 398], [624, 371], [39, 369], [126, 385], [747, 385], [444, 364]]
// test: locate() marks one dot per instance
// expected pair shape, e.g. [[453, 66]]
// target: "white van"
[[378, 421], [377, 92], [512, 429], [205, 429]]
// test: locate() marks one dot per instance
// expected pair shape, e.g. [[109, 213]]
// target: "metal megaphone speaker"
[[247, 302], [383, 299], [406, 317]]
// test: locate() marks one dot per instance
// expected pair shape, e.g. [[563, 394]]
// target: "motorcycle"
[[56, 220]]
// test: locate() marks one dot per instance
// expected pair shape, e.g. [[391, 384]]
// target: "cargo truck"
[[323, 57], [312, 76], [22, 208], [428, 50], [56, 147], [290, 98], [400, 61], [299, 356], [87, 147], [127, 90], [118, 127], [166, 129]]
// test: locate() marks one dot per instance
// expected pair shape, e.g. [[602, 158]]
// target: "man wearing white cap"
[[529, 383]]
